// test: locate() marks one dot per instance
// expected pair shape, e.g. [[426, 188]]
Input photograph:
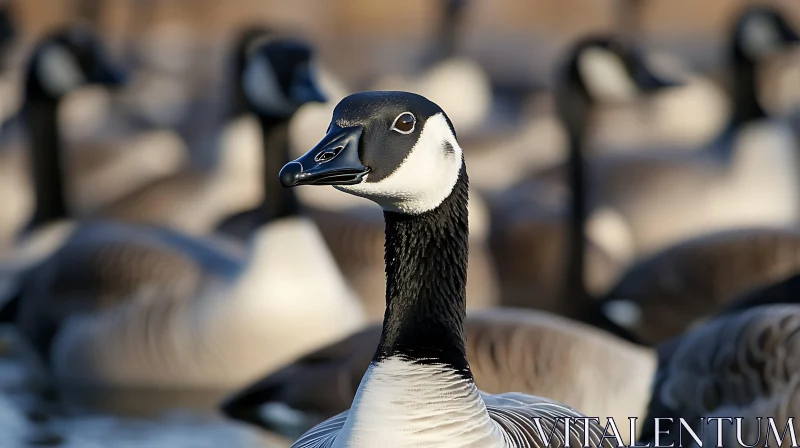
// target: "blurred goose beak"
[[109, 74], [305, 88], [650, 81], [333, 161]]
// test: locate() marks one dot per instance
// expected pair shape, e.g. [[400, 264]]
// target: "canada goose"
[[536, 259], [63, 62], [740, 365], [214, 319], [276, 79], [456, 82], [745, 177], [400, 150], [509, 349], [126, 306], [662, 295]]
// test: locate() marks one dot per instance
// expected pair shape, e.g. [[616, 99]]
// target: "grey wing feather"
[[745, 361], [517, 414], [324, 434]]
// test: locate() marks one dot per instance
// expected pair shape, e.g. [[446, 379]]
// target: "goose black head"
[[761, 31], [278, 77], [606, 70], [67, 59], [397, 149]]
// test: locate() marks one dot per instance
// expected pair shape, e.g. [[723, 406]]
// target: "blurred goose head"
[[245, 40], [760, 38], [278, 77], [759, 32], [66, 60], [604, 70]]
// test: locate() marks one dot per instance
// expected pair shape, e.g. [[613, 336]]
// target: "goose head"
[[763, 70], [760, 32], [397, 149], [278, 77], [68, 59], [601, 71], [607, 70]]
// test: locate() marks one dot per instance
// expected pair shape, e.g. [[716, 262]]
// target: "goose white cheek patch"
[[760, 37], [58, 71], [424, 179], [605, 76], [624, 313]]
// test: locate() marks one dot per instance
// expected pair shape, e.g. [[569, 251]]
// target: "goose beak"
[[650, 81], [334, 161]]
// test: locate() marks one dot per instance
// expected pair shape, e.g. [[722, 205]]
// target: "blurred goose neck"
[[426, 274], [47, 169], [746, 107], [573, 109], [278, 202], [450, 24]]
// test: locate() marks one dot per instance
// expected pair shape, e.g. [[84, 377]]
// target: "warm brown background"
[[359, 38]]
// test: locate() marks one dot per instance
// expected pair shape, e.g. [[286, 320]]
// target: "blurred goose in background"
[[273, 79], [458, 83], [535, 258], [745, 177], [64, 62], [400, 150], [121, 306], [662, 295], [14, 192]]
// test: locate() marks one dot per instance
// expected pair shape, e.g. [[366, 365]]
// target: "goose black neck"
[[746, 107], [574, 107], [574, 275], [426, 276], [47, 169], [278, 202]]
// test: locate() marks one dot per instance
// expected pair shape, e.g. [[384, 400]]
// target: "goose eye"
[[404, 123]]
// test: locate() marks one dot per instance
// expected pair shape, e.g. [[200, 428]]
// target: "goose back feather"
[[135, 307], [665, 294], [742, 365]]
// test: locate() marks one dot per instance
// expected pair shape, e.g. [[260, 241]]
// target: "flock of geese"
[[625, 281]]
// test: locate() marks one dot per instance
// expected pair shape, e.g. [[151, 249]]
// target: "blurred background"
[[179, 57]]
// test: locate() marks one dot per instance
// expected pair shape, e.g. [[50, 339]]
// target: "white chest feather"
[[401, 404]]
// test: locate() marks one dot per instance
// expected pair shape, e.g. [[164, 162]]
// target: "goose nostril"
[[328, 154]]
